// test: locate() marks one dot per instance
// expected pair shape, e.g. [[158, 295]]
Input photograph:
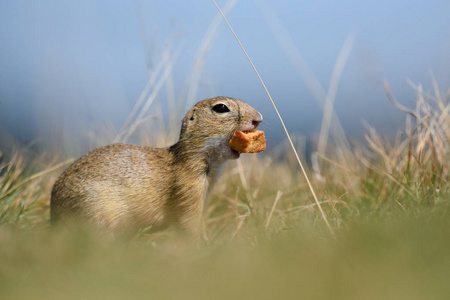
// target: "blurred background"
[[70, 70]]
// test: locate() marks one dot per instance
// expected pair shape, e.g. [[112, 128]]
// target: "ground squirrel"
[[123, 185]]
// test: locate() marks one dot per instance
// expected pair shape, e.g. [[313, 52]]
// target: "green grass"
[[402, 257], [386, 200]]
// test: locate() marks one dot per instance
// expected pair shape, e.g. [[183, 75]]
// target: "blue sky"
[[81, 62]]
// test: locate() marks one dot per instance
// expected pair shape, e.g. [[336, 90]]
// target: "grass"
[[387, 202], [396, 259]]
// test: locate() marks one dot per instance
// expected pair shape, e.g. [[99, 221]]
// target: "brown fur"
[[129, 186]]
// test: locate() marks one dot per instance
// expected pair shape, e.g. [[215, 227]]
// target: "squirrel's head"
[[211, 123]]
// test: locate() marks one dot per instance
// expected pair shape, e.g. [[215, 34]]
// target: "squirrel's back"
[[109, 185]]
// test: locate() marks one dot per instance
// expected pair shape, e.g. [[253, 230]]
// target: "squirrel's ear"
[[192, 114], [190, 117]]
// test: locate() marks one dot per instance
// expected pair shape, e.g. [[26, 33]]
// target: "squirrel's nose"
[[257, 119]]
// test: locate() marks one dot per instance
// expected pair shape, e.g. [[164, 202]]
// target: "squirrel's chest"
[[190, 187]]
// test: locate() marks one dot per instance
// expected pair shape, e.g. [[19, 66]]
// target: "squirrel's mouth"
[[235, 153], [245, 129]]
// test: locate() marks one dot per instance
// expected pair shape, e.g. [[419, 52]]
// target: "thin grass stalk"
[[174, 115], [311, 81], [194, 78], [281, 120], [277, 198], [437, 93], [332, 90], [152, 96], [239, 225], [34, 176], [141, 99], [143, 31], [396, 104]]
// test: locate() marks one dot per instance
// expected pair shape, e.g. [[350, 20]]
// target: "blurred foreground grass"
[[387, 201], [400, 258]]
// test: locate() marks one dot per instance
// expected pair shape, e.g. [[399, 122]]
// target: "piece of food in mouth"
[[252, 141]]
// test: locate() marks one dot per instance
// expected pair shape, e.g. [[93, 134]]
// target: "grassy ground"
[[386, 201]]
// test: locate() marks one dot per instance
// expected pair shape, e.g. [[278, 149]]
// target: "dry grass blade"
[[396, 104], [148, 46], [194, 78], [281, 120], [141, 99], [152, 96], [312, 82], [277, 198], [239, 226], [310, 206], [422, 157], [37, 175], [331, 96]]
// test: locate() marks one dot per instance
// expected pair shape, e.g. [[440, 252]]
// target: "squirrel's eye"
[[220, 108]]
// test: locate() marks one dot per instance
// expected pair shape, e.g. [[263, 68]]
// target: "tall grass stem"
[[280, 118]]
